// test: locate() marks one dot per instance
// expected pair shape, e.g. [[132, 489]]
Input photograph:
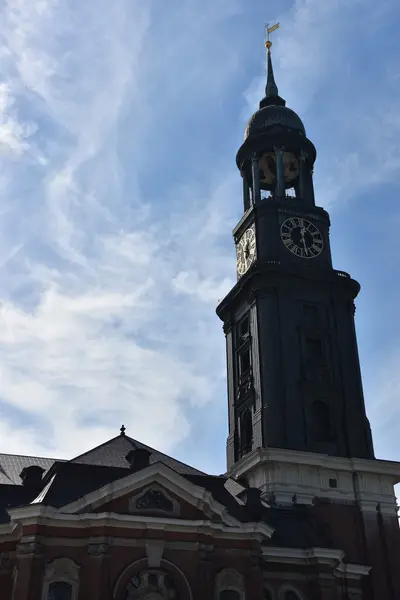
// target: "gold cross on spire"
[[269, 30]]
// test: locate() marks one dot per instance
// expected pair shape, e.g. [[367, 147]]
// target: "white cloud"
[[91, 323], [116, 208]]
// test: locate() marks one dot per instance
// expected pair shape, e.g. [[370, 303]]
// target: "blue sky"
[[119, 126]]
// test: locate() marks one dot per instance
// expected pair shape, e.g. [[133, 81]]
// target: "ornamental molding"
[[61, 570], [321, 556], [290, 476], [167, 480], [325, 556]]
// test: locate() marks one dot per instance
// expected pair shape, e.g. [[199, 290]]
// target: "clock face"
[[246, 251], [302, 237]]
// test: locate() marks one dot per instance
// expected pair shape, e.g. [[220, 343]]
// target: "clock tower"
[[294, 379], [298, 430]]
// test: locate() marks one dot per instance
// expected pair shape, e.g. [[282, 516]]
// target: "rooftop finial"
[[123, 429], [271, 90], [269, 29]]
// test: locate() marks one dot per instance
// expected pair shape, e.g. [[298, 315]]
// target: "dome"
[[274, 116]]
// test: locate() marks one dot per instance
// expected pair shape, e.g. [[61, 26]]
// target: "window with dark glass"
[[60, 590], [244, 361], [290, 595], [229, 595], [244, 329]]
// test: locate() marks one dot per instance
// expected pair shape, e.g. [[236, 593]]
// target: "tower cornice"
[[264, 276]]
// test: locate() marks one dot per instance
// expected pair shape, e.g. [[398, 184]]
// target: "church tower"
[[294, 378], [298, 430]]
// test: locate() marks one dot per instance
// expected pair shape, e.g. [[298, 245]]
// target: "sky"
[[119, 126]]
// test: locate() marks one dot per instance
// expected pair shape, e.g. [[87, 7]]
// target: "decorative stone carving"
[[154, 551], [62, 568], [98, 549], [31, 548], [150, 585], [154, 498]]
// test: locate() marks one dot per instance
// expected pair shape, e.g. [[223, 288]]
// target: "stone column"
[[97, 571], [306, 181], [205, 573], [280, 177], [255, 171], [254, 579], [246, 192], [28, 579], [302, 176]]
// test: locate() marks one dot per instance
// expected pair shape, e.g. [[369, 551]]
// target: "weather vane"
[[269, 30]]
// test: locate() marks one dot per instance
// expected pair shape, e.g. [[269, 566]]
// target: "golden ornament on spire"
[[269, 29]]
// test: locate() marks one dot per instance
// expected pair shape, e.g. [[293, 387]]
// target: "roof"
[[69, 481], [113, 452], [11, 466]]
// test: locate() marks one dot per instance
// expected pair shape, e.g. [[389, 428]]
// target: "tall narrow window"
[[244, 361], [244, 329], [246, 432]]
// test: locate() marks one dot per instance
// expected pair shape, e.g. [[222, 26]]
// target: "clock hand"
[[303, 239]]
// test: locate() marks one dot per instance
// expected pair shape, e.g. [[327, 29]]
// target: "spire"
[[271, 89]]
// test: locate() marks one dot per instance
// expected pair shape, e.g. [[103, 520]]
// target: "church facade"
[[305, 511]]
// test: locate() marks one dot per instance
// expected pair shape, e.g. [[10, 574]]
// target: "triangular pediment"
[[154, 491]]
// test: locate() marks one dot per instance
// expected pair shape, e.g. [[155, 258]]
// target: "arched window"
[[288, 593], [320, 422], [229, 585], [60, 590], [291, 595], [61, 580], [229, 595]]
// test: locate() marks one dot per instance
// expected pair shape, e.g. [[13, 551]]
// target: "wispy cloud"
[[118, 190], [99, 291]]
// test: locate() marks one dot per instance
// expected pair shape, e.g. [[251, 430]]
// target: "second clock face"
[[302, 237], [246, 251]]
